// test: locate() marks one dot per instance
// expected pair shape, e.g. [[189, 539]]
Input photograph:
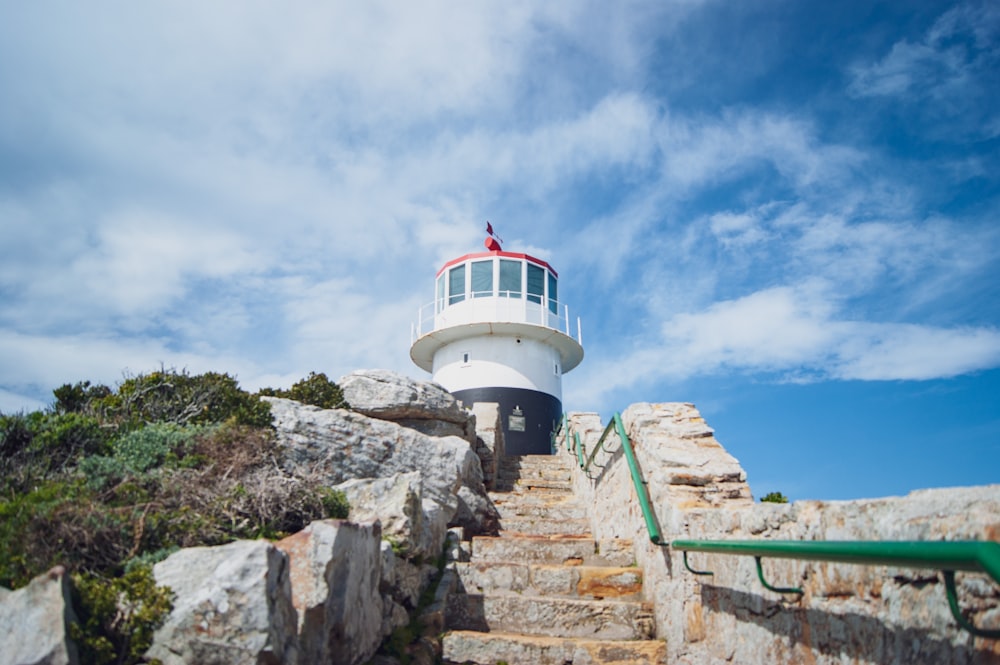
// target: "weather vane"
[[493, 241]]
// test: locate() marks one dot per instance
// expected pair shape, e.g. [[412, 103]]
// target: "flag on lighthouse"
[[493, 241]]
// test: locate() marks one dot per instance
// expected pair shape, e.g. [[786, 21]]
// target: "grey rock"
[[335, 577], [390, 396], [233, 605], [397, 502], [436, 427], [34, 622], [476, 513], [340, 445]]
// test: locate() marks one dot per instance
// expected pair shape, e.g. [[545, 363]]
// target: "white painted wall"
[[497, 361]]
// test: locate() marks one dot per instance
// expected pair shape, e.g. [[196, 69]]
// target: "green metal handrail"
[[641, 490], [579, 448], [969, 555]]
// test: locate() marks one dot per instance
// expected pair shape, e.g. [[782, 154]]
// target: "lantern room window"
[[456, 284], [510, 278], [553, 295], [482, 279], [536, 283]]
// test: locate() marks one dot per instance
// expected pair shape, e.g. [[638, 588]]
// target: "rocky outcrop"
[[850, 613], [233, 605], [420, 405], [340, 445], [35, 620], [397, 502], [336, 574]]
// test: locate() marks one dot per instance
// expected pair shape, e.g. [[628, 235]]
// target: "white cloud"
[[795, 334], [708, 150], [873, 352], [32, 361], [951, 72], [143, 258], [11, 402], [738, 229]]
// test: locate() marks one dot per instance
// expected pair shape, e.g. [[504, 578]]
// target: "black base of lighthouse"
[[528, 417]]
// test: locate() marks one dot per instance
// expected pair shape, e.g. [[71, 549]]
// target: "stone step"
[[542, 473], [562, 510], [591, 582], [556, 549], [542, 615], [538, 495], [491, 648], [526, 484], [541, 526], [534, 460]]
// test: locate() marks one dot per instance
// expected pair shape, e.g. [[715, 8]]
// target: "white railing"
[[440, 314]]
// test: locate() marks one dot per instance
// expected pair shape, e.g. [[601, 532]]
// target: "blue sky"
[[785, 212]]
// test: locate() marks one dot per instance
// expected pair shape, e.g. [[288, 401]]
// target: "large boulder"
[[340, 445], [233, 605], [421, 405], [34, 622], [397, 502], [335, 574]]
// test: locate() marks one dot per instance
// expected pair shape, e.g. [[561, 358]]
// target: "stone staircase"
[[544, 591]]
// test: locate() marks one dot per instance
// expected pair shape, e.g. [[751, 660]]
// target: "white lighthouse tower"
[[496, 332]]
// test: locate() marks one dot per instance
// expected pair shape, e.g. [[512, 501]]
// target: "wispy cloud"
[[790, 334], [950, 71]]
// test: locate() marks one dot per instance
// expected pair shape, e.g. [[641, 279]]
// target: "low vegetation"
[[109, 481]]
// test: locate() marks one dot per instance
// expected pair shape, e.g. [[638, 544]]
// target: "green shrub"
[[39, 444], [118, 616], [139, 451], [172, 396], [335, 503], [28, 546], [316, 389], [774, 497], [79, 397]]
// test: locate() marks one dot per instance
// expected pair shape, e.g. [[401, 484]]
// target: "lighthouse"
[[497, 332]]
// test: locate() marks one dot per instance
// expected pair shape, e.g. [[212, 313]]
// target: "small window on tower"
[[465, 358], [555, 369]]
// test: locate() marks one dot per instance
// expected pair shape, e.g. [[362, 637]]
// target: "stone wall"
[[489, 439], [848, 613]]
